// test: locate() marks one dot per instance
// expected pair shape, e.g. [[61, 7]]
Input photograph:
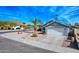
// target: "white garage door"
[[55, 33]]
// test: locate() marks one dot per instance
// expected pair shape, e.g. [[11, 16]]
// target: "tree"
[[35, 23], [7, 25]]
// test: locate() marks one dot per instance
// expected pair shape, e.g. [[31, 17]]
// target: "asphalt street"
[[10, 46]]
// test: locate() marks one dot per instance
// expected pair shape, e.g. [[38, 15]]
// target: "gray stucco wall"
[[58, 29]]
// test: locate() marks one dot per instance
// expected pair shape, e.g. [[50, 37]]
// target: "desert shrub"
[[34, 34]]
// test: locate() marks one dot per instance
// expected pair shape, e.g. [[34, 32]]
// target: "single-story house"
[[53, 28], [56, 32], [16, 27]]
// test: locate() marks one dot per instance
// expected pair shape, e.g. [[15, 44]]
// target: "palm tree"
[[35, 22]]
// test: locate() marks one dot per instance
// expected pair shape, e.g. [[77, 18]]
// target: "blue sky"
[[66, 14]]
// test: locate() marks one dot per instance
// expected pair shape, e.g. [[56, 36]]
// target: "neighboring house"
[[16, 28], [54, 28]]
